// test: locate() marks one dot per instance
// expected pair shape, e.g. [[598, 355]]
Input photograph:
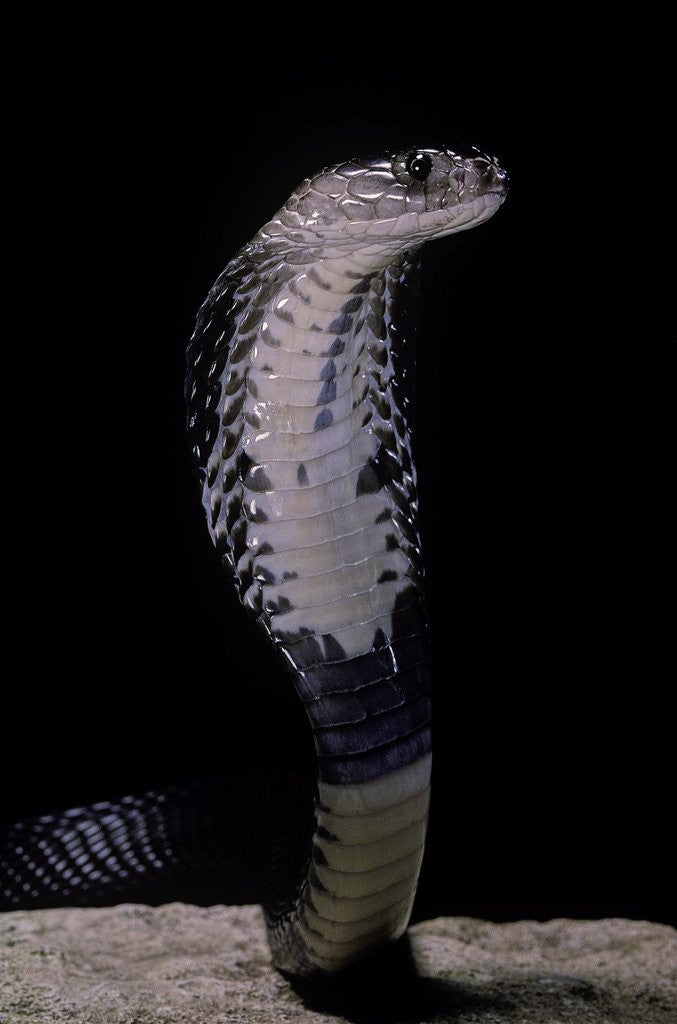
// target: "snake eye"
[[418, 165]]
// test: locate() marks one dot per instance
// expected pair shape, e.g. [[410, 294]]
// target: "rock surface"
[[135, 964]]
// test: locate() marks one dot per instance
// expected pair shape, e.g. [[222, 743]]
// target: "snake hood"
[[388, 203]]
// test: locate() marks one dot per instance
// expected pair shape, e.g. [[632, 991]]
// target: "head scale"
[[397, 201]]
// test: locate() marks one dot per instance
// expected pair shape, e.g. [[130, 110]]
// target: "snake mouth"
[[461, 216], [500, 189], [411, 229]]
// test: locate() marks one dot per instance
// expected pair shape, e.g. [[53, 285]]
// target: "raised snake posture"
[[299, 413]]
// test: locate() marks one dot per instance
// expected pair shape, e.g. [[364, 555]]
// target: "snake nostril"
[[494, 179]]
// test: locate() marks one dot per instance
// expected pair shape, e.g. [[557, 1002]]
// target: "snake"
[[299, 405]]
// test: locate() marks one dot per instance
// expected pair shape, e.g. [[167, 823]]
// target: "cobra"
[[299, 413]]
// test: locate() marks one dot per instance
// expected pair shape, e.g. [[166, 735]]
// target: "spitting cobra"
[[299, 403]]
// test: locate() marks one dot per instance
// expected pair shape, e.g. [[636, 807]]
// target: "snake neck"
[[310, 489], [311, 486]]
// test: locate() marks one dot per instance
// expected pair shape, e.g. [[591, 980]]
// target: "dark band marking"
[[212, 471], [266, 292], [251, 320], [318, 856], [368, 481], [378, 472], [242, 348], [341, 325], [323, 419], [278, 606], [254, 512], [366, 669], [328, 392], [381, 641], [377, 304], [379, 353], [234, 381], [263, 575], [238, 540], [333, 649], [232, 408], [314, 276], [230, 475], [374, 763], [256, 479], [362, 286], [324, 833], [337, 347], [231, 441], [352, 305]]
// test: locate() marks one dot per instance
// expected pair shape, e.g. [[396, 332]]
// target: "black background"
[[543, 448]]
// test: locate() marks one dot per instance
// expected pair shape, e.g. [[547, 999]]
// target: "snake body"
[[299, 414]]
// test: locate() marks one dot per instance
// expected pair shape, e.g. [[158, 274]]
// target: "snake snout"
[[492, 179]]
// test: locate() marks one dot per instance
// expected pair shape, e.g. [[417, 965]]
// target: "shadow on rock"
[[387, 989]]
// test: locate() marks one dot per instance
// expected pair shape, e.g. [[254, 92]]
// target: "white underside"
[[365, 891]]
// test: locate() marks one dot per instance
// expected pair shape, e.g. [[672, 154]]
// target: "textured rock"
[[134, 964]]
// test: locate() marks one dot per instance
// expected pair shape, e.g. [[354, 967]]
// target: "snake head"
[[399, 200]]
